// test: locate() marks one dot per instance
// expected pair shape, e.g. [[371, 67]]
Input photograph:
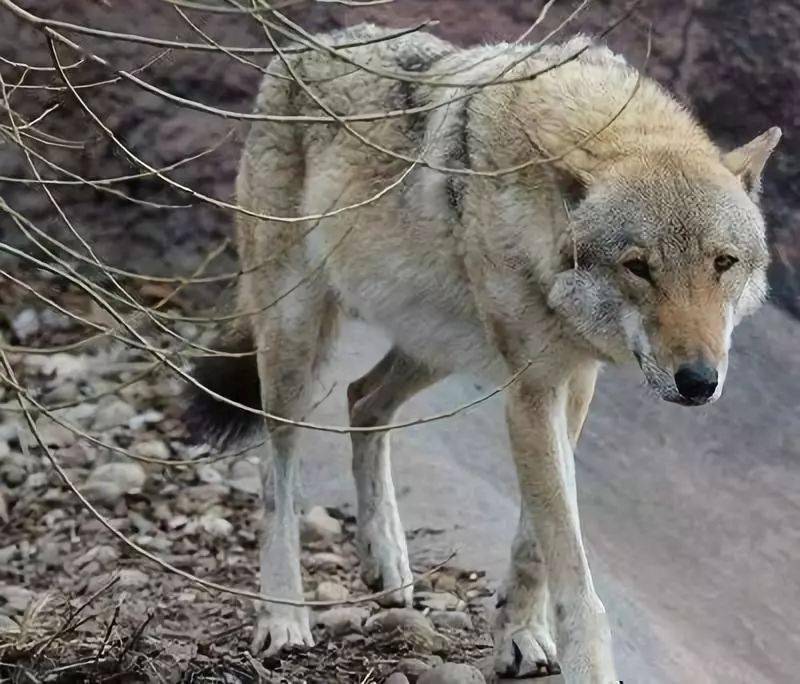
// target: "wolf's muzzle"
[[696, 381]]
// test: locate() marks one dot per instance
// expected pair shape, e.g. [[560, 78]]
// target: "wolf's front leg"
[[524, 645], [280, 626], [540, 440]]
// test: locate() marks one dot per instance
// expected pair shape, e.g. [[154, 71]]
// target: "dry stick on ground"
[[69, 623]]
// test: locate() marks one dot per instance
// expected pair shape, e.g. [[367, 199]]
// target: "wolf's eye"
[[639, 268], [723, 262]]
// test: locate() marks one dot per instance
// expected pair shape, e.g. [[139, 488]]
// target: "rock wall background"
[[735, 62]]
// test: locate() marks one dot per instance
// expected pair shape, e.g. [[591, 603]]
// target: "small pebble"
[[318, 525], [451, 619], [438, 600], [397, 678], [452, 673], [112, 414], [331, 591], [132, 578], [341, 621]]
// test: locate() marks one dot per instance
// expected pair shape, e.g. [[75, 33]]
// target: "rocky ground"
[[77, 604]]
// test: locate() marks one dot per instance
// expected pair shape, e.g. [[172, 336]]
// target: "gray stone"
[[397, 678], [13, 474], [54, 435], [140, 522], [445, 583], [331, 591], [451, 619], [36, 481], [151, 448], [81, 415], [244, 477], [327, 561], [51, 554], [132, 578], [103, 554], [209, 474], [438, 600], [55, 320], [452, 673], [26, 324], [7, 625], [112, 414], [412, 626], [137, 422], [341, 621], [63, 391], [413, 668], [216, 526], [317, 525], [108, 482], [14, 599]]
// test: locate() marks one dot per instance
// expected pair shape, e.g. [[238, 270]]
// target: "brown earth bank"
[[735, 62]]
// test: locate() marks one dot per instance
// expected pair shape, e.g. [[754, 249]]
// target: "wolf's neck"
[[596, 110]]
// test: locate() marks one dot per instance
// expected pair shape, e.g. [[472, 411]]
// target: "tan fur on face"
[[693, 327]]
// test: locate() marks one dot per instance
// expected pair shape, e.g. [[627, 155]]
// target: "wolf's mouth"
[[662, 382]]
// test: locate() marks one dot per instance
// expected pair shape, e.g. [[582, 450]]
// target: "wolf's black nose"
[[696, 381]]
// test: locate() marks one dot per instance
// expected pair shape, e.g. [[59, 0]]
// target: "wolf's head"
[[668, 254]]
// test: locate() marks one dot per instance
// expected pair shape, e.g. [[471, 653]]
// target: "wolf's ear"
[[747, 162]]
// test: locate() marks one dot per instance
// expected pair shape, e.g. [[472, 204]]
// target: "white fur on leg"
[[523, 640], [540, 440], [380, 537], [279, 627]]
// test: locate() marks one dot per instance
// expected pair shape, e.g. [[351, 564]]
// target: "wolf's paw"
[[384, 562], [281, 628], [525, 652]]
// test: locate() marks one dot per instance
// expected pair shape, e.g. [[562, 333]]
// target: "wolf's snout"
[[696, 381]]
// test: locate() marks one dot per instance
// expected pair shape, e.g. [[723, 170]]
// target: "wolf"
[[523, 211]]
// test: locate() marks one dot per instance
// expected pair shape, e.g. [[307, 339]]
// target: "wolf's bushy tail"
[[233, 377]]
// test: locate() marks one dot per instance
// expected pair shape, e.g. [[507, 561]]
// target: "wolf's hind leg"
[[373, 400], [289, 343]]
